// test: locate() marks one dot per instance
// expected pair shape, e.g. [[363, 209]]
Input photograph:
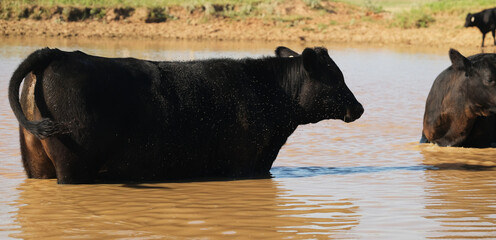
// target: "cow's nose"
[[360, 111], [353, 113], [347, 118]]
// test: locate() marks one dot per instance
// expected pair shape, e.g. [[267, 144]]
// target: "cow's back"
[[489, 17], [114, 94]]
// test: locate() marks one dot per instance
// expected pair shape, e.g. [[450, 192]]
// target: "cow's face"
[[323, 93], [478, 87], [470, 20]]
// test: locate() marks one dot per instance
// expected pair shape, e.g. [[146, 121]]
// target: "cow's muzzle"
[[353, 113]]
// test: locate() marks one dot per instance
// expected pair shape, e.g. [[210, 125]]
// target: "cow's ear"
[[285, 52], [458, 61], [310, 60]]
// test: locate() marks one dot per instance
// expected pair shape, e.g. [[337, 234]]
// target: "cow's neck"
[[292, 79], [289, 75]]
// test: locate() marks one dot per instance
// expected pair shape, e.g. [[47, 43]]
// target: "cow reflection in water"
[[460, 192], [85, 119], [248, 209], [460, 108]]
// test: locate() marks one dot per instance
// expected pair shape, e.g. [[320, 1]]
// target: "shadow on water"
[[461, 166], [300, 172], [457, 158], [314, 171], [141, 186]]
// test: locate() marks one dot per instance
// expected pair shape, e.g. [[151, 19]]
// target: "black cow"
[[484, 20], [86, 119], [461, 104]]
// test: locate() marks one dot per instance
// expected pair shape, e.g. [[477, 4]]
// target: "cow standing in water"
[[86, 119], [461, 104]]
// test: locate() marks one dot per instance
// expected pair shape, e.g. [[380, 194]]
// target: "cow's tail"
[[36, 63]]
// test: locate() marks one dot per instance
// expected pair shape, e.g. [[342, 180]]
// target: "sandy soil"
[[344, 24]]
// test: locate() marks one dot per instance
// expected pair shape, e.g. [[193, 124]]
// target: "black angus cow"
[[460, 107], [485, 21], [86, 119]]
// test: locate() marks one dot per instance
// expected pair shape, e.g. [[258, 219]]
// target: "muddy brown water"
[[363, 180]]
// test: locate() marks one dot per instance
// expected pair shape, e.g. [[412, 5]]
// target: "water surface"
[[364, 180]]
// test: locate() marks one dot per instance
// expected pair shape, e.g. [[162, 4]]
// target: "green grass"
[[406, 13], [399, 5], [236, 9], [459, 6], [373, 7], [315, 4], [388, 5], [423, 15], [414, 18], [157, 8], [120, 3], [435, 6]]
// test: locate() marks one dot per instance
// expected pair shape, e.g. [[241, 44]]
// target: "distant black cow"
[[461, 104], [485, 21], [85, 118]]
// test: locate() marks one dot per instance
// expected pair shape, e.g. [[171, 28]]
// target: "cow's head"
[[322, 92], [478, 77], [470, 20], [459, 95]]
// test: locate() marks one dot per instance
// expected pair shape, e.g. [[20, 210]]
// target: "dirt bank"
[[334, 23]]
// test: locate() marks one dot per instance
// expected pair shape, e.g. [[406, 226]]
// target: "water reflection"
[[461, 194], [458, 158], [248, 209], [463, 202]]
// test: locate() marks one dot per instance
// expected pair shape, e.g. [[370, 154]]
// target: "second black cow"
[[86, 119], [485, 21]]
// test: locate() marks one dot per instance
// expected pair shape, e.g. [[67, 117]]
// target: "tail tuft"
[[46, 128], [36, 61]]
